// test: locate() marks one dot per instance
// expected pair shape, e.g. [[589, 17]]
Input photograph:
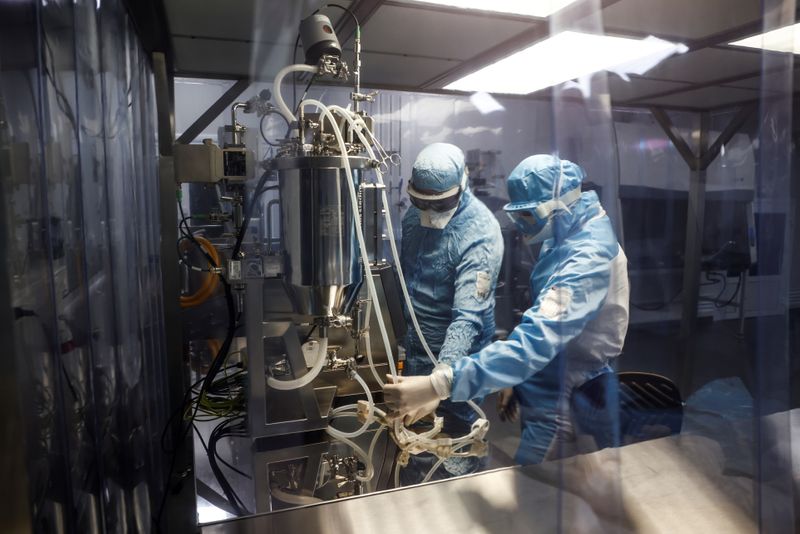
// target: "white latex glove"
[[415, 415], [417, 396]]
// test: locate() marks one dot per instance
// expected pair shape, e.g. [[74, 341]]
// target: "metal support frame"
[[311, 452], [695, 215], [180, 511], [222, 104], [314, 410], [165, 113], [695, 220], [14, 493]]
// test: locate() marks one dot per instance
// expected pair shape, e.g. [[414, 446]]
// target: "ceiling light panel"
[[563, 57], [786, 39], [531, 8]]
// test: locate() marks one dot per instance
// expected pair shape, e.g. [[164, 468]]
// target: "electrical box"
[[208, 163]]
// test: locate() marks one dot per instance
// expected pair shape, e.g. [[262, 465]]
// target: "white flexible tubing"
[[359, 234], [368, 348], [364, 258], [396, 255], [397, 474], [276, 88], [285, 385], [370, 452], [439, 463], [368, 421], [369, 359], [290, 498], [340, 411]]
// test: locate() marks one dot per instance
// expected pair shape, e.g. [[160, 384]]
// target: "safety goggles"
[[441, 202], [530, 221], [526, 221]]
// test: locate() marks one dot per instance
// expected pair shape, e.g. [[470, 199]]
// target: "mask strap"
[[436, 196], [544, 209]]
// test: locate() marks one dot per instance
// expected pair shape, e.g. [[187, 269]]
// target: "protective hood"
[[438, 168], [541, 189]]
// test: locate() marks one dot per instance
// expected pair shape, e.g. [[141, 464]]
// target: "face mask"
[[545, 233], [436, 219]]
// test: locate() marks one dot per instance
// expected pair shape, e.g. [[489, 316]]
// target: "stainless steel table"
[[680, 484]]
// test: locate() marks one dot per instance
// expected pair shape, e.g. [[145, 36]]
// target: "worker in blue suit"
[[574, 329], [451, 253]]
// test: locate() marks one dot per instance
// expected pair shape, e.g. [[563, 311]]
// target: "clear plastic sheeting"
[[77, 124]]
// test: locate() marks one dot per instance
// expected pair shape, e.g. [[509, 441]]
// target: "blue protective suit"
[[451, 276], [577, 322]]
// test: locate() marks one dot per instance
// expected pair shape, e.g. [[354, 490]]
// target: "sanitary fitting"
[[333, 66]]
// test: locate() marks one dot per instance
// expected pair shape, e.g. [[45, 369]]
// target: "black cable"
[[308, 336], [61, 99], [227, 489], [712, 281], [659, 306], [733, 296], [222, 434], [724, 287], [187, 397], [259, 190], [183, 227], [305, 93], [261, 127], [345, 9], [294, 74], [199, 435], [216, 366]]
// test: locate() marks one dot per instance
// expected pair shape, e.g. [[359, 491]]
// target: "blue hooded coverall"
[[578, 320], [451, 276]]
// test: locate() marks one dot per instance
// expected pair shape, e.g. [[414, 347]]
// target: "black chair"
[[624, 408]]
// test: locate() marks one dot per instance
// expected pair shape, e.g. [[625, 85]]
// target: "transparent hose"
[[369, 359], [290, 498], [307, 378], [357, 125], [440, 462], [344, 411], [369, 419], [396, 474], [370, 469], [276, 88]]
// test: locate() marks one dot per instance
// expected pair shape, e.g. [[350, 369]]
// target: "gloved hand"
[[417, 396], [507, 405], [415, 415]]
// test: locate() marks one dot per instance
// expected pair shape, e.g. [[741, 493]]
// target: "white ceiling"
[[416, 32], [409, 46]]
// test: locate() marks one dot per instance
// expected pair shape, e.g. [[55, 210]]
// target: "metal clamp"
[[364, 97], [333, 66]]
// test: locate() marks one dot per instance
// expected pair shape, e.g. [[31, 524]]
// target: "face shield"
[[536, 222]]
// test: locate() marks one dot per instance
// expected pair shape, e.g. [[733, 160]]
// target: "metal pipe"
[[235, 129], [357, 69], [271, 203]]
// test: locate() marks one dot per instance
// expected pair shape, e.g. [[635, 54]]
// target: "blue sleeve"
[[568, 301], [475, 282]]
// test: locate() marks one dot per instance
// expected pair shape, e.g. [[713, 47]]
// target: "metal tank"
[[321, 257]]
